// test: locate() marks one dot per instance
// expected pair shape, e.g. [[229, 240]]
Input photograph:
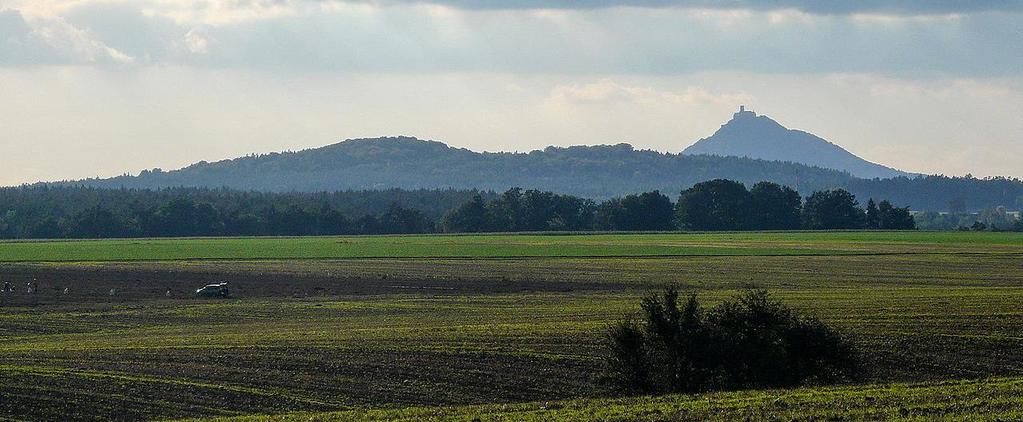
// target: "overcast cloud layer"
[[330, 36], [166, 83], [907, 7]]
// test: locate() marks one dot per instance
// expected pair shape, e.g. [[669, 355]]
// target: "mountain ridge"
[[409, 162], [595, 172], [758, 136]]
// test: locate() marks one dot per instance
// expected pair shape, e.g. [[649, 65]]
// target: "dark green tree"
[[718, 204], [893, 218], [873, 215], [368, 224], [98, 222], [832, 210], [332, 221], [404, 220], [47, 228], [506, 211], [469, 217], [244, 223], [648, 211], [291, 221], [774, 207], [610, 215], [535, 210], [183, 217]]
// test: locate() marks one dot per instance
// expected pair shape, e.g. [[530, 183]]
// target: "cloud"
[[51, 41], [17, 43], [229, 11], [226, 12], [979, 39], [826, 7], [607, 91], [78, 45], [196, 42]]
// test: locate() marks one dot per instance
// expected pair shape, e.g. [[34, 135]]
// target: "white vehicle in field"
[[213, 290]]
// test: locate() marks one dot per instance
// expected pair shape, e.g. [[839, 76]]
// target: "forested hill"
[[590, 171], [750, 135]]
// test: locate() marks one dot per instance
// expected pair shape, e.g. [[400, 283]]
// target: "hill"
[[598, 172], [592, 171], [750, 135]]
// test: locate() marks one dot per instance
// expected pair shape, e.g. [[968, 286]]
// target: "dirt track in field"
[[86, 284]]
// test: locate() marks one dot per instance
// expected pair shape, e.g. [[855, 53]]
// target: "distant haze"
[[103, 87]]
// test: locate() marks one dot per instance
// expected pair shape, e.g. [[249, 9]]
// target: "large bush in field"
[[749, 341]]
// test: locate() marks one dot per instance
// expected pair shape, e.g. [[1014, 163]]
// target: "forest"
[[45, 212]]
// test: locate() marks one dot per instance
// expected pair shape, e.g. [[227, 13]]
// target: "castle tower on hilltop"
[[744, 113]]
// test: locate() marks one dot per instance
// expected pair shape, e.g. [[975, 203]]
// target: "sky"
[[98, 88]]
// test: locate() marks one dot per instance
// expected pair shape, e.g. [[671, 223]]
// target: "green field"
[[491, 326], [496, 246], [989, 399]]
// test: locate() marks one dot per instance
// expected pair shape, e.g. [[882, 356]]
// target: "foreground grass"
[[992, 399], [515, 245]]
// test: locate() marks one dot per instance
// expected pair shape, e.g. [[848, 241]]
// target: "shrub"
[[749, 341]]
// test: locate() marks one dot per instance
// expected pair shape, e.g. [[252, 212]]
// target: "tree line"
[[713, 205], [76, 212], [79, 212]]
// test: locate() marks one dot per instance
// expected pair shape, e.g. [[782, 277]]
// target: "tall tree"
[[648, 211], [775, 207], [183, 217], [469, 217], [831, 210], [404, 220], [873, 215], [718, 204], [610, 215], [98, 222], [893, 218]]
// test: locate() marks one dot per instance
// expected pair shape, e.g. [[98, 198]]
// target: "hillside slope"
[[750, 135]]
